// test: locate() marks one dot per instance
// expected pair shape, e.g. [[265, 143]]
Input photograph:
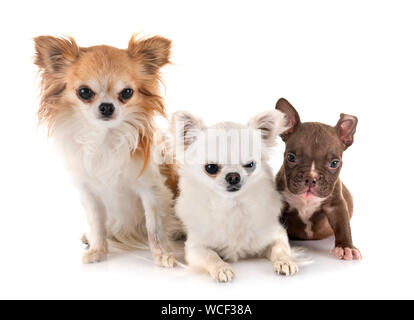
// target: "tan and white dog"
[[227, 202], [99, 104]]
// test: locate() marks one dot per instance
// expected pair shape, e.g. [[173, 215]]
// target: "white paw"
[[93, 256], [285, 267], [346, 253], [165, 260], [223, 273]]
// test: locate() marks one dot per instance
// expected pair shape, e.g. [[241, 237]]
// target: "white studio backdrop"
[[232, 59]]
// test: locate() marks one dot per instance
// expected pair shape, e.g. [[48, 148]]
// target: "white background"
[[231, 61]]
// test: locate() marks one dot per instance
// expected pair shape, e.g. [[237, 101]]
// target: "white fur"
[[227, 226], [313, 172], [118, 202], [306, 207]]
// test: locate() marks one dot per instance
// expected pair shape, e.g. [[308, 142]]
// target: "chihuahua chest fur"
[[234, 229], [100, 164]]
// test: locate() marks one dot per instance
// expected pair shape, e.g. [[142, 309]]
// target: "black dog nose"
[[106, 109], [310, 181], [233, 178]]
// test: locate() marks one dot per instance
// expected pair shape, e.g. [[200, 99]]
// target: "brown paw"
[[346, 253], [165, 260]]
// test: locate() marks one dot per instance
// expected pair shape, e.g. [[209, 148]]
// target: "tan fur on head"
[[53, 57], [64, 66]]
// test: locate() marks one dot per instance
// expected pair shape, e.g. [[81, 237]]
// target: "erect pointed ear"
[[271, 124], [54, 54], [292, 116], [185, 127], [153, 52], [346, 128]]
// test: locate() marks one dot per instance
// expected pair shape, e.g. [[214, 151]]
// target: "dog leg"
[[157, 202], [208, 260], [279, 254], [339, 220], [96, 215]]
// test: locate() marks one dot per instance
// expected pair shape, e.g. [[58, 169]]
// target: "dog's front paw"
[[285, 267], [94, 256], [165, 260], [222, 273], [346, 253]]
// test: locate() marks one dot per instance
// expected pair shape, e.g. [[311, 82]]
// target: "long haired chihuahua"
[[99, 104], [227, 202]]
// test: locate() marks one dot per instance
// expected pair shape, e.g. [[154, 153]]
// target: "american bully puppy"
[[317, 203]]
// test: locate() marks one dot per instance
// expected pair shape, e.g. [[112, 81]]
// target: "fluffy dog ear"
[[292, 117], [54, 54], [346, 128], [153, 52], [271, 124], [185, 127]]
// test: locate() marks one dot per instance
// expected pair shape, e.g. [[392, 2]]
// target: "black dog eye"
[[334, 164], [291, 157], [126, 94], [250, 166], [211, 168], [85, 93]]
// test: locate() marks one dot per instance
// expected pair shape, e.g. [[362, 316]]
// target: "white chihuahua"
[[228, 202]]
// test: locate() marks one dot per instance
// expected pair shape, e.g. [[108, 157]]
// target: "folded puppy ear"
[[185, 127], [346, 128], [291, 114], [271, 124], [152, 52], [54, 54]]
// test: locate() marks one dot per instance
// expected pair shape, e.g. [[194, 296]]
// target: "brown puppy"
[[317, 203]]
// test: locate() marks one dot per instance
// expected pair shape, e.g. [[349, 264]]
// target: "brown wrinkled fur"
[[317, 143], [321, 220]]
